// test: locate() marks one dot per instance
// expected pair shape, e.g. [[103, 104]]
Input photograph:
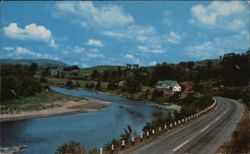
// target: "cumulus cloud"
[[112, 21], [228, 15], [21, 52], [132, 59], [173, 37], [204, 50], [150, 49], [8, 48], [91, 15], [95, 53], [146, 36], [30, 32], [93, 42], [219, 46], [135, 32], [79, 50], [52, 43]]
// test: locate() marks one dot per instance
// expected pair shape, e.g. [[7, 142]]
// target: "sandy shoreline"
[[170, 106], [69, 107]]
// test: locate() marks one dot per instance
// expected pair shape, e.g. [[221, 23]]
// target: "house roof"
[[171, 83]]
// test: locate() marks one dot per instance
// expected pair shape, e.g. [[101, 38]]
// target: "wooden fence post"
[[101, 150]]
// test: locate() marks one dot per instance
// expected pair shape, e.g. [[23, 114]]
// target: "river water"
[[92, 129]]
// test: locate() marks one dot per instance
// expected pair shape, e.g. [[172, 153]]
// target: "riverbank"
[[60, 108], [13, 150], [170, 106]]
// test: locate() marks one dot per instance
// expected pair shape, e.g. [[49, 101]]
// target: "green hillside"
[[215, 63], [42, 63], [88, 71]]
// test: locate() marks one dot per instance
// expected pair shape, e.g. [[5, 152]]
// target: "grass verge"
[[39, 101]]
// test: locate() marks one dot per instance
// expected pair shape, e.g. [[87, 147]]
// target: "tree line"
[[231, 70], [18, 80]]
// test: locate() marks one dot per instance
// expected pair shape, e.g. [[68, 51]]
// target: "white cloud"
[[114, 34], [79, 50], [65, 52], [112, 21], [204, 50], [227, 15], [173, 37], [21, 52], [90, 15], [145, 35], [95, 53], [8, 48], [133, 32], [24, 51], [219, 46], [152, 63], [92, 42], [52, 43], [132, 59], [167, 18], [151, 49], [30, 32]]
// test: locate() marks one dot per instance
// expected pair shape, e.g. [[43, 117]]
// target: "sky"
[[87, 33]]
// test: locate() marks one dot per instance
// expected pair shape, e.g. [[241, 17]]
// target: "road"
[[204, 136]]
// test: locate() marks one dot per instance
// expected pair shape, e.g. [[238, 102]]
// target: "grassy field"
[[36, 102], [88, 71], [62, 82]]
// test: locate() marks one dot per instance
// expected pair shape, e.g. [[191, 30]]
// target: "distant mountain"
[[40, 62]]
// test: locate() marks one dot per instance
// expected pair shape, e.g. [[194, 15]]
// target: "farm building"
[[168, 84]]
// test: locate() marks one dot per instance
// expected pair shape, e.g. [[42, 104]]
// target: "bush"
[[71, 148], [112, 86], [14, 86], [77, 84], [91, 86], [98, 86], [69, 84], [157, 93]]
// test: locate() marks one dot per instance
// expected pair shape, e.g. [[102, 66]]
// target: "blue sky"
[[116, 33]]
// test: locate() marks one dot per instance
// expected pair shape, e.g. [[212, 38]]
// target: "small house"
[[168, 84]]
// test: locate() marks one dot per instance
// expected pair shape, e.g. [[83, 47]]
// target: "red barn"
[[186, 86]]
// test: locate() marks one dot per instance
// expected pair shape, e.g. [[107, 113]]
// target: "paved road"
[[204, 136]]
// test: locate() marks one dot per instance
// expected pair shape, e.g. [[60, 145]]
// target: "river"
[[92, 129]]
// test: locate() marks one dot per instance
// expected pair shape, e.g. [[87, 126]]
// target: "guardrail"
[[145, 135]]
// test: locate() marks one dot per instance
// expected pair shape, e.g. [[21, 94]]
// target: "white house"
[[177, 88], [168, 84]]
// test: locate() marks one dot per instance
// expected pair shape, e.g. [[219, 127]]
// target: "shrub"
[[71, 148], [157, 93]]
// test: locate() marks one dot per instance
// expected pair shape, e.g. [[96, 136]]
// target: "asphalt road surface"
[[204, 136]]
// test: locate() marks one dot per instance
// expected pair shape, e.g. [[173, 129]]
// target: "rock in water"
[[13, 150]]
